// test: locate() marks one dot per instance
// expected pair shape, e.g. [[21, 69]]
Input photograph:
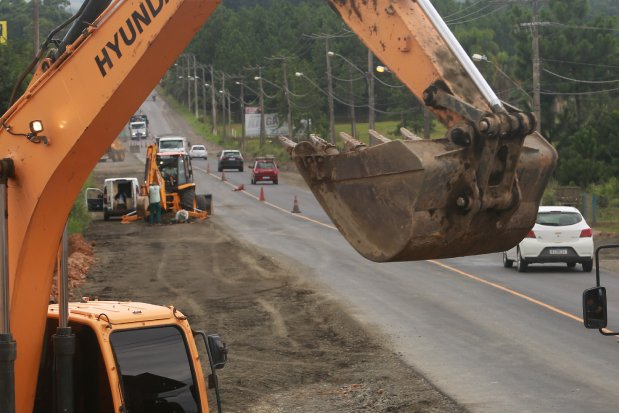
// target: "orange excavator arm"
[[475, 191], [83, 99]]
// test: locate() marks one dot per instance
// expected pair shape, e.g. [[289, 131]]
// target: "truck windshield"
[[155, 370], [177, 144], [138, 125]]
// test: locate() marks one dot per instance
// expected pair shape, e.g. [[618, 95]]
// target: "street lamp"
[[330, 54], [353, 121], [483, 58], [370, 82]]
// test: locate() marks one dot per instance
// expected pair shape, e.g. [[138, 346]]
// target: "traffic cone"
[[261, 197], [223, 176], [295, 206], [239, 188]]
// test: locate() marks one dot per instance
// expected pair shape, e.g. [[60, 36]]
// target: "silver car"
[[198, 151]]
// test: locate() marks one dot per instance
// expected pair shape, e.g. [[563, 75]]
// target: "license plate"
[[265, 178], [558, 251]]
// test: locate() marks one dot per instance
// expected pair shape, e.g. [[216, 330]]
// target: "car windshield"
[[558, 219], [138, 125], [198, 148], [265, 165], [170, 144]]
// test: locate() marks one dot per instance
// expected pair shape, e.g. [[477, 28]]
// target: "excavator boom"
[[83, 99]]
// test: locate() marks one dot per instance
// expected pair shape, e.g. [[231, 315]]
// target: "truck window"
[[92, 392], [155, 370]]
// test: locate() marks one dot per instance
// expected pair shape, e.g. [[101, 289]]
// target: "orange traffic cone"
[[261, 197], [295, 206], [239, 188], [223, 176]]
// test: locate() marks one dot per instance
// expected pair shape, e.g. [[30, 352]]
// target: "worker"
[[154, 204]]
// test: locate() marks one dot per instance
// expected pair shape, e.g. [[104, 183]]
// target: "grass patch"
[[79, 218]]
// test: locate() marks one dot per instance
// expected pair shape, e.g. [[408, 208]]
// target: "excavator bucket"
[[407, 200]]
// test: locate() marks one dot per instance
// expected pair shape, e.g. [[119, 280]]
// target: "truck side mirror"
[[218, 350], [594, 308]]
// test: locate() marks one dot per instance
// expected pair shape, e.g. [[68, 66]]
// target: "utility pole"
[[371, 115], [35, 26], [242, 103], [287, 93], [195, 86], [223, 104], [187, 58], [203, 92], [263, 127], [537, 108], [427, 123], [213, 103], [353, 123], [330, 93]]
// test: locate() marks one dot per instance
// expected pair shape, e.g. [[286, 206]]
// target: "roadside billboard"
[[273, 126]]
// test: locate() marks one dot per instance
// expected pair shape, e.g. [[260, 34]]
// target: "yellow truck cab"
[[131, 356]]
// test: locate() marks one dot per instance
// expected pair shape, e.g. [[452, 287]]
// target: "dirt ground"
[[290, 347]]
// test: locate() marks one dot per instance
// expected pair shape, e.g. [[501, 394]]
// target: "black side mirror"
[[218, 350], [594, 308]]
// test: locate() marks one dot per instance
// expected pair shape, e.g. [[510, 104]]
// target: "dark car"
[[264, 169], [230, 159]]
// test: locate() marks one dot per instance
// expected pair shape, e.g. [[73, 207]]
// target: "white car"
[[560, 235], [198, 151]]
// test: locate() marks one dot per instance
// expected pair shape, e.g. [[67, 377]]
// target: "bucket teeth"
[[351, 143], [322, 145], [409, 135], [288, 144], [378, 136]]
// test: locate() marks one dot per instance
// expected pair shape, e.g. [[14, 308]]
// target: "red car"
[[264, 169]]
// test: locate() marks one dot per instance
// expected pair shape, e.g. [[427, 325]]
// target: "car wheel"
[[571, 264], [241, 169], [507, 263], [220, 169], [521, 263], [587, 266], [275, 181], [253, 181], [106, 217]]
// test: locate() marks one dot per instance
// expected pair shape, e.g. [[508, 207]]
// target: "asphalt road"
[[493, 339]]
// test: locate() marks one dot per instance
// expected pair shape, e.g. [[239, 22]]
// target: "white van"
[[172, 144], [118, 197]]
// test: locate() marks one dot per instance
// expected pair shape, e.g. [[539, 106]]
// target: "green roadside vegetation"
[[79, 218]]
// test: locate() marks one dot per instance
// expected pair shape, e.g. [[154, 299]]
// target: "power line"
[[593, 92], [581, 63], [580, 81], [478, 17], [470, 14], [463, 9]]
